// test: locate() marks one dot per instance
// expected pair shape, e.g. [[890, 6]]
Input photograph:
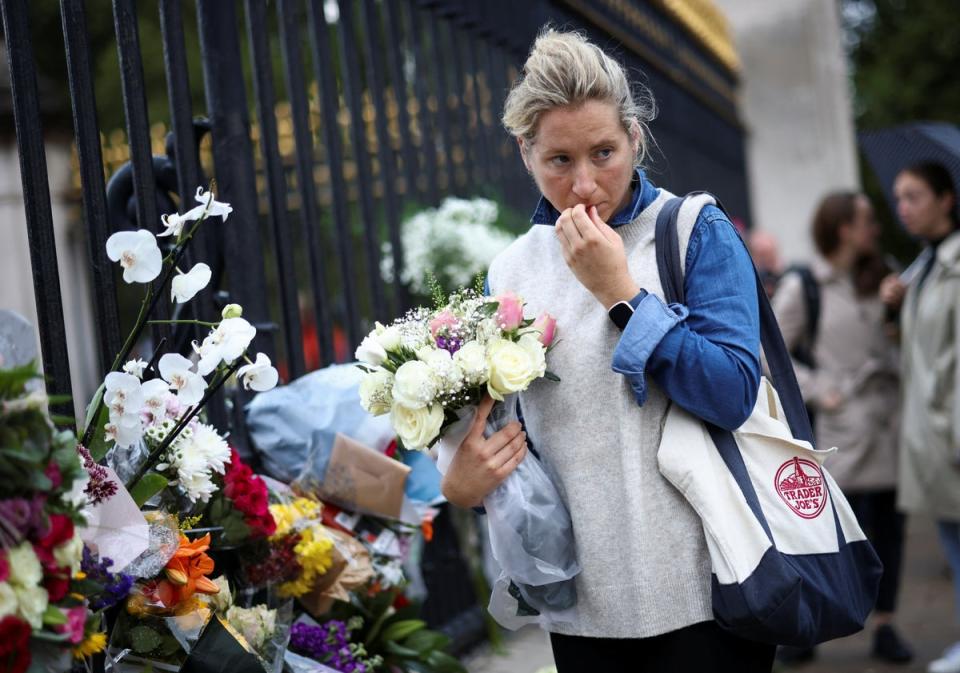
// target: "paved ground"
[[925, 619]]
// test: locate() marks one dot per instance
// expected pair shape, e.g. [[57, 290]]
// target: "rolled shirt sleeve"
[[705, 355]]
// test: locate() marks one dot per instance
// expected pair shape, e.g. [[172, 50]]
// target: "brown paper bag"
[[352, 568], [359, 478]]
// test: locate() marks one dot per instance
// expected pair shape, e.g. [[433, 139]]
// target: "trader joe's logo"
[[800, 483]]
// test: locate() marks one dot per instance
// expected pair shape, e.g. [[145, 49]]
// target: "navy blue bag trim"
[[795, 600]]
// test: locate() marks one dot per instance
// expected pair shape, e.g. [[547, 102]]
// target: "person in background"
[[930, 366], [765, 252], [852, 383]]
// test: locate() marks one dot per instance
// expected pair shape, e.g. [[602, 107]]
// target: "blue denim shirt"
[[704, 355]]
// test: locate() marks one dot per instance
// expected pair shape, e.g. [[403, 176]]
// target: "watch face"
[[620, 313]]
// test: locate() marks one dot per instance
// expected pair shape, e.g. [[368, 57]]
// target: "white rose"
[[25, 569], [389, 338], [472, 361], [417, 427], [223, 599], [370, 351], [376, 392], [8, 600], [70, 554], [536, 351], [414, 385], [33, 603], [511, 368]]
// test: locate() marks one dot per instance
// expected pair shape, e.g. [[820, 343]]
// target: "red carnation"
[[59, 531], [14, 645], [4, 566], [57, 583], [52, 472]]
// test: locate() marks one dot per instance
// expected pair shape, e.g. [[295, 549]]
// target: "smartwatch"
[[620, 313]]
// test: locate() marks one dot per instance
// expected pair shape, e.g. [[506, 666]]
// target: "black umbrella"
[[889, 151]]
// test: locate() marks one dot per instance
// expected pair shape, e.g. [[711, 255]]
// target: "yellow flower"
[[315, 554], [91, 645], [294, 515]]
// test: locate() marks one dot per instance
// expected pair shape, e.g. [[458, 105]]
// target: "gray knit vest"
[[646, 570]]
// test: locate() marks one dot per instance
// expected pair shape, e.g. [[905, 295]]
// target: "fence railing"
[[379, 105]]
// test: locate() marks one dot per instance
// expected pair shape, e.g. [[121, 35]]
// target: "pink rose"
[[546, 324], [510, 314], [445, 320]]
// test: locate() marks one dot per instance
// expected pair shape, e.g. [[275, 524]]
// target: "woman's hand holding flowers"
[[481, 464]]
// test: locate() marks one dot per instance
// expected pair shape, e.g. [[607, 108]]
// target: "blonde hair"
[[564, 68]]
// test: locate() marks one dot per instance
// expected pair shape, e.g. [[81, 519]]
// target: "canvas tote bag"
[[790, 564]]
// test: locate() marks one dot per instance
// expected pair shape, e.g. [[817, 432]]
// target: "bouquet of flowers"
[[241, 506], [429, 370], [454, 243], [48, 607]]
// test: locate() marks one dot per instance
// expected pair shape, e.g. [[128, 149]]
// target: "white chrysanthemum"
[[214, 450]]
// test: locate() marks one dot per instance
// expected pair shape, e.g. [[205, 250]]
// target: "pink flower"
[[4, 566], [510, 314], [546, 325], [445, 320], [76, 619]]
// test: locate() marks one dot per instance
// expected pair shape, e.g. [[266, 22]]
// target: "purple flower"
[[100, 487], [330, 644], [22, 518], [116, 586]]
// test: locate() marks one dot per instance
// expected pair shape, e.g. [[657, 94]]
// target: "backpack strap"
[[811, 298]]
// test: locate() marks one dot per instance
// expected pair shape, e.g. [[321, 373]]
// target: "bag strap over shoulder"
[[778, 359]]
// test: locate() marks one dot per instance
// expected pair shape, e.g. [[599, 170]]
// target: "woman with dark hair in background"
[[930, 343], [850, 378]]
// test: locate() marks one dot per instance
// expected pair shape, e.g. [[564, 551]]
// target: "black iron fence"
[[380, 105]]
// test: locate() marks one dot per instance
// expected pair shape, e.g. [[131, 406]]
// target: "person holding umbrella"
[[929, 477]]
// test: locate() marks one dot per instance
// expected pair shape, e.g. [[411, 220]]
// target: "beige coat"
[[858, 361], [930, 440]]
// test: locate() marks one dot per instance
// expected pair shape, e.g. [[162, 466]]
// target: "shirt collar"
[[643, 195]]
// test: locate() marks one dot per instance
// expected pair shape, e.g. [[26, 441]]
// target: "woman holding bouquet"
[[644, 592]]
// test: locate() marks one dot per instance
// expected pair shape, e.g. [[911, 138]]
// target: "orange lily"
[[186, 573]]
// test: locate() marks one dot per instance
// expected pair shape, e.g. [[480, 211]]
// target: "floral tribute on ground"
[[152, 540]]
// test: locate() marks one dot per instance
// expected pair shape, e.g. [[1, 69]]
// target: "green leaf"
[[425, 642], [95, 405], [444, 663], [402, 629], [147, 487], [144, 640], [489, 308], [550, 376], [399, 650], [53, 616]]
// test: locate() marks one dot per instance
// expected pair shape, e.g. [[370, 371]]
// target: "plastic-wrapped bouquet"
[[429, 371]]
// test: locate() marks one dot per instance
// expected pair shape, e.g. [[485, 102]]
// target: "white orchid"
[[135, 367], [174, 222], [185, 286], [122, 394], [137, 253], [156, 393], [213, 207], [226, 343], [260, 375], [125, 430], [175, 370]]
